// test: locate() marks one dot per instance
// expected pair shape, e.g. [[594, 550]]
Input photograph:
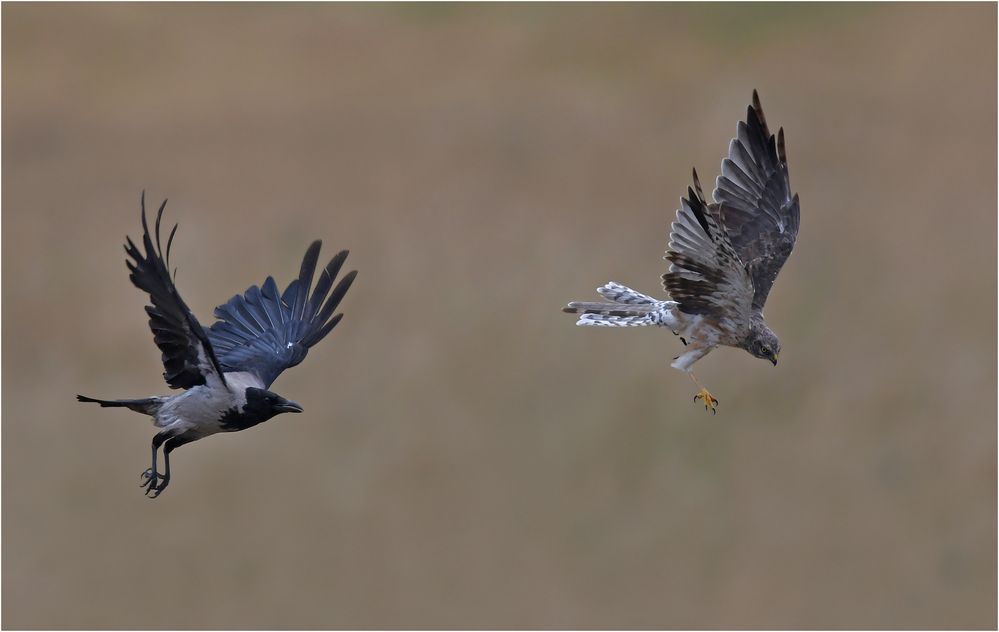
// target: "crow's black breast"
[[234, 420]]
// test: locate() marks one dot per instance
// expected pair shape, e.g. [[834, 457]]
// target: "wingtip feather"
[[697, 184], [170, 244], [305, 275], [757, 110], [310, 259], [145, 225]]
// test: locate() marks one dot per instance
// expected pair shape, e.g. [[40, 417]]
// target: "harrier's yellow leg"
[[710, 402]]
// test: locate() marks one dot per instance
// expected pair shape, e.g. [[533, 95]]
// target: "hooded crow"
[[225, 371]]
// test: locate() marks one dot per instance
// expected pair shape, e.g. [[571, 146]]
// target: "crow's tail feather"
[[148, 405]]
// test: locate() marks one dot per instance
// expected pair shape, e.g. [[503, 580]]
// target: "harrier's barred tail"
[[617, 293], [610, 314], [627, 309]]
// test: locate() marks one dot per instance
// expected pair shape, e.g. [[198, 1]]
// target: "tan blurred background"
[[468, 457]]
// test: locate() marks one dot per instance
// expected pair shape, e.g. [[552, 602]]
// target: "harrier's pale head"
[[762, 342]]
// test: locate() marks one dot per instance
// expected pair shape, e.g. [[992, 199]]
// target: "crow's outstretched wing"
[[188, 358], [706, 276], [755, 203], [265, 332]]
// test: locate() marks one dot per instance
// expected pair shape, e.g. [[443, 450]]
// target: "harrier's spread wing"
[[706, 276], [265, 332], [755, 203], [188, 357]]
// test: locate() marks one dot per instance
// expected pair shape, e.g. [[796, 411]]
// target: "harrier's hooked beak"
[[289, 406], [774, 359]]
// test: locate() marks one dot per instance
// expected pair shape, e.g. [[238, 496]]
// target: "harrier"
[[225, 371], [723, 257]]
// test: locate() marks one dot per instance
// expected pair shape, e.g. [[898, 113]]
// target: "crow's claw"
[[154, 482], [155, 491]]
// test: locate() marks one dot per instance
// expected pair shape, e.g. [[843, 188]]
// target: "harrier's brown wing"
[[755, 203], [706, 276]]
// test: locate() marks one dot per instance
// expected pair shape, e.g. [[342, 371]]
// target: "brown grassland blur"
[[468, 457]]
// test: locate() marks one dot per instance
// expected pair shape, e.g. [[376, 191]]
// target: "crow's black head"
[[262, 404]]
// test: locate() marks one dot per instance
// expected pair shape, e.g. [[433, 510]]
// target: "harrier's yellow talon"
[[710, 402]]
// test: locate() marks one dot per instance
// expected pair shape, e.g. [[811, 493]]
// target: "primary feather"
[[188, 357], [755, 203], [264, 332], [706, 276]]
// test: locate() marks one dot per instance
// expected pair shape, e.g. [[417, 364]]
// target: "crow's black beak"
[[289, 406]]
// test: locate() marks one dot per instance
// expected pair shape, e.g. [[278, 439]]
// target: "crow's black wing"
[[188, 358], [755, 203], [265, 332]]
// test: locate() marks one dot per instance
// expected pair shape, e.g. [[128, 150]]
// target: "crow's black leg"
[[151, 476], [171, 445], [164, 477]]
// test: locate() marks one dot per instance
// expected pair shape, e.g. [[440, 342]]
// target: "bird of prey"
[[225, 371], [723, 257]]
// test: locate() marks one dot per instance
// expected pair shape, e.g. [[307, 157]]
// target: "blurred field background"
[[468, 457]]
